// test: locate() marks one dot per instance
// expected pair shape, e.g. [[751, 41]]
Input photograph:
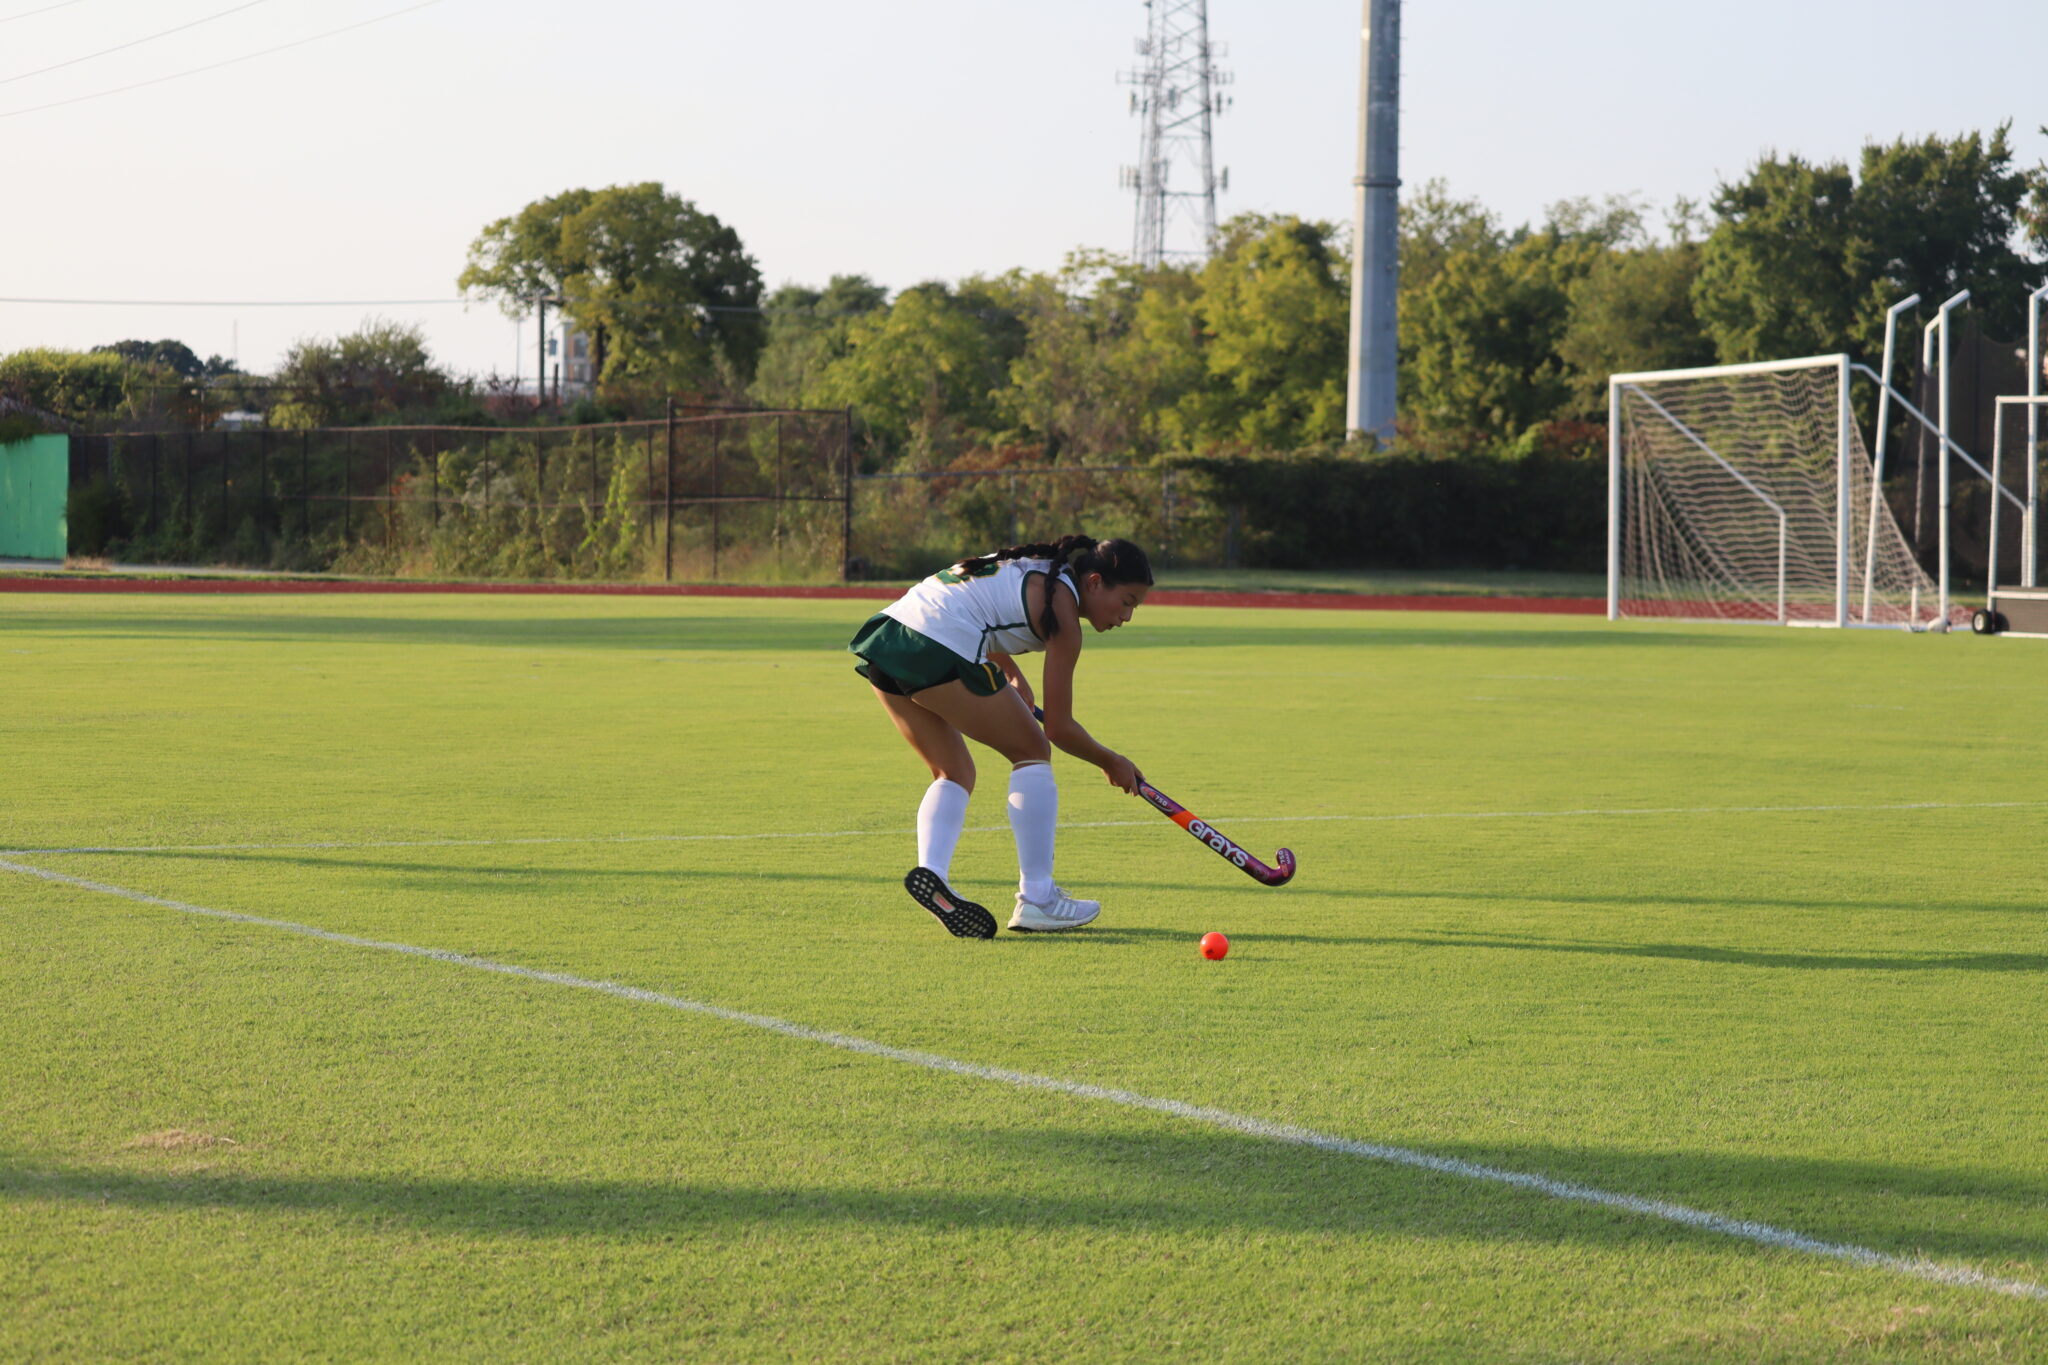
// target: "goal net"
[[1729, 488]]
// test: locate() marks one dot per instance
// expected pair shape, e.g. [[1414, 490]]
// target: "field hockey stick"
[[1223, 846], [1219, 843]]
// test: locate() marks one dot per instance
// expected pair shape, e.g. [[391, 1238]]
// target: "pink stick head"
[[1283, 873]]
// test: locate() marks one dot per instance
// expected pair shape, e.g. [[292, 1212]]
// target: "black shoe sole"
[[962, 918]]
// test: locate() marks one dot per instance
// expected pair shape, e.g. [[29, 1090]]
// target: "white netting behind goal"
[[1703, 537]]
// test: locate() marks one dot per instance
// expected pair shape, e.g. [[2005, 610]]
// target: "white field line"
[[1747, 1230], [989, 829]]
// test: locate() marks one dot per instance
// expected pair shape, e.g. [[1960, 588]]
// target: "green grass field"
[[1784, 963], [1395, 582]]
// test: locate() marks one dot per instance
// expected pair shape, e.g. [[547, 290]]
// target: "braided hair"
[[1118, 561]]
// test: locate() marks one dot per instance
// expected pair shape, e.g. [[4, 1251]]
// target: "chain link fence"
[[762, 496], [908, 524], [736, 495]]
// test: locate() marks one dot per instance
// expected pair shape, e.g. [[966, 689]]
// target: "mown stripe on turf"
[[539, 840], [1745, 1229]]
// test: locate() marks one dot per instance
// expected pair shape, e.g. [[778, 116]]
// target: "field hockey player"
[[942, 660]]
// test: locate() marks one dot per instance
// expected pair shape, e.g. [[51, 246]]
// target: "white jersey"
[[980, 614]]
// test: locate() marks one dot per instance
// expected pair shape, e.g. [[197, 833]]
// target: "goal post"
[[1744, 493], [2017, 446], [2016, 439]]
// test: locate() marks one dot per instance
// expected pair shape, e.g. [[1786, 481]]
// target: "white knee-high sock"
[[939, 819], [1034, 811]]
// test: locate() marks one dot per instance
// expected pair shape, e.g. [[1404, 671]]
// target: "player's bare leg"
[[939, 816], [1004, 722]]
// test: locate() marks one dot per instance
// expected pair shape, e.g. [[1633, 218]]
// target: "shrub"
[[76, 386], [1331, 509], [97, 516]]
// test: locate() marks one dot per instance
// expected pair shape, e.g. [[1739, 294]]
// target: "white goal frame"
[[1937, 426], [1844, 446], [2035, 404]]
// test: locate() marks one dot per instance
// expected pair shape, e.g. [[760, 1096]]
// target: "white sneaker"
[[1060, 913]]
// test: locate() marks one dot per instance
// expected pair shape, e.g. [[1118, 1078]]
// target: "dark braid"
[[1118, 561]]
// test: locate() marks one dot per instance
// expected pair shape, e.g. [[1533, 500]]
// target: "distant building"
[[572, 359]]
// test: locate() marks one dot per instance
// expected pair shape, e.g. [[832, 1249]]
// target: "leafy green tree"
[[1935, 216], [996, 306], [1273, 311], [921, 374], [2034, 215], [89, 388], [806, 331], [1160, 365], [1777, 275], [1484, 326], [1805, 258], [378, 371], [1087, 380], [1246, 350], [1632, 310], [665, 290], [174, 356], [1434, 226]]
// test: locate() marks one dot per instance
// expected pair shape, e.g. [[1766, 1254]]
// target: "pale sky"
[[901, 139]]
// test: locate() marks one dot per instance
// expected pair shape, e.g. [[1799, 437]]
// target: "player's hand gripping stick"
[[1219, 843]]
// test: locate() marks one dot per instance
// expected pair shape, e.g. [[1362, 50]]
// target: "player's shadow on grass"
[[1752, 957], [1364, 896], [1748, 957], [1184, 1184], [1459, 940], [1650, 897], [469, 878]]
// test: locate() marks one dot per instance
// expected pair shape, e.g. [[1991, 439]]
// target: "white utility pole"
[[1376, 226]]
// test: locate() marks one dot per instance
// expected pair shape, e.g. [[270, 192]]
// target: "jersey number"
[[960, 573]]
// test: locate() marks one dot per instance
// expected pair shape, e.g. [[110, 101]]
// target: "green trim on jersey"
[[981, 650], [909, 662], [1024, 598]]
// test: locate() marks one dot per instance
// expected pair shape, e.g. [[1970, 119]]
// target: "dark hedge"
[[1394, 510]]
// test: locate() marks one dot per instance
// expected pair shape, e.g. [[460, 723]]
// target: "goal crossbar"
[[1810, 362]]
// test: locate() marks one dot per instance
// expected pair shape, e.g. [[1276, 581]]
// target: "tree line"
[[1507, 332]]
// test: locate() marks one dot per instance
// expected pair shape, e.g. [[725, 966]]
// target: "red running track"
[[1165, 597]]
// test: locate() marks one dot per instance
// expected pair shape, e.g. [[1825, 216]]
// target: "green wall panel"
[[35, 483]]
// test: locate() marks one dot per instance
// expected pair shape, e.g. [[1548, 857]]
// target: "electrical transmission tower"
[[1178, 94]]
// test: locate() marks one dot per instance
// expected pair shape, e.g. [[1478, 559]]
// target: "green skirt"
[[898, 660]]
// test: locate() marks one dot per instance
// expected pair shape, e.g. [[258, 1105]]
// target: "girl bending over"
[[941, 659]]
